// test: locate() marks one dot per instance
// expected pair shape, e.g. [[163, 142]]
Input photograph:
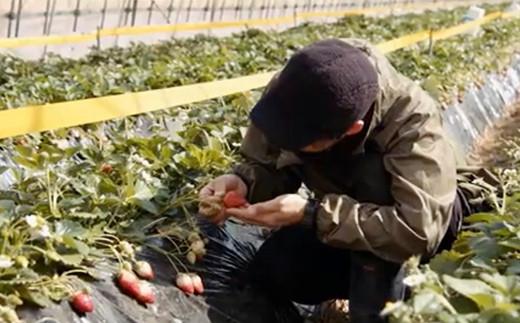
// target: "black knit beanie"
[[323, 89]]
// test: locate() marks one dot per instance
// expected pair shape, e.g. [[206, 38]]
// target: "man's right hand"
[[212, 194]]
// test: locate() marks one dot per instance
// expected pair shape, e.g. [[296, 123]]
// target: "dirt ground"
[[491, 149]]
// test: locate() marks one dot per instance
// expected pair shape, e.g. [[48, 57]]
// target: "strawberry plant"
[[85, 196]]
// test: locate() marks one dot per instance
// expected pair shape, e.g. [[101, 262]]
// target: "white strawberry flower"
[[414, 280], [32, 221], [5, 261], [41, 233]]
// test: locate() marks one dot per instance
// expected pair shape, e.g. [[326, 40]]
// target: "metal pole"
[[49, 25], [164, 15], [11, 17], [238, 10], [263, 9], [126, 10], [206, 9], [222, 8], [179, 10], [251, 9], [46, 14], [170, 9], [213, 10], [76, 15], [103, 13], [150, 11], [134, 12], [18, 15], [189, 11], [98, 38]]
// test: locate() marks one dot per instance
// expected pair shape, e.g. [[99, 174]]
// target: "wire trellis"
[[21, 13]]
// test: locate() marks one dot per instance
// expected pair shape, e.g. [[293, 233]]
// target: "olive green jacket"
[[407, 128]]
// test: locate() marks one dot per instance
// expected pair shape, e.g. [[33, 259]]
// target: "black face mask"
[[343, 147]]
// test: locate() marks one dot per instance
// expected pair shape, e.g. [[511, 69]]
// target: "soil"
[[491, 149]]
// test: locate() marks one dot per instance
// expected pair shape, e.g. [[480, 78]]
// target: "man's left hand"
[[284, 210]]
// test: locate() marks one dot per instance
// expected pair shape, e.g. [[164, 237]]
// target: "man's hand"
[[212, 194], [282, 211]]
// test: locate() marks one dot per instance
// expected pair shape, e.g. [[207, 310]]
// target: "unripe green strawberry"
[[144, 270], [191, 257]]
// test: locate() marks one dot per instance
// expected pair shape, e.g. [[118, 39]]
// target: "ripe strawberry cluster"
[[142, 291]]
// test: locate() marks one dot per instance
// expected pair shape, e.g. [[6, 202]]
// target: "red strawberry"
[[144, 270], [185, 283], [233, 199], [106, 168], [145, 294], [197, 283], [82, 302], [201, 254], [128, 282]]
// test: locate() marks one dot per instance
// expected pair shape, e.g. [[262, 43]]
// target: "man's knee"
[[374, 282]]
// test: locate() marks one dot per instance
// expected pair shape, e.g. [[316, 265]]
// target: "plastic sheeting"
[[466, 121], [228, 296]]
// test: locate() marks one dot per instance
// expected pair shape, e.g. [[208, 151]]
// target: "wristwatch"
[[310, 212]]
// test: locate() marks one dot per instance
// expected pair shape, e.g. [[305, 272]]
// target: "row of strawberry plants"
[[84, 195], [185, 61]]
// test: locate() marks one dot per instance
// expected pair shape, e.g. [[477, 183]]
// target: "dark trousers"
[[293, 264]]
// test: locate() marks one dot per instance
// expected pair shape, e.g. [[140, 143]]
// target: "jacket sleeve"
[[423, 185], [260, 171]]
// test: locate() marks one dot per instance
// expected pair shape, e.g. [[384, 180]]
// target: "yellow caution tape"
[[120, 31], [19, 121], [73, 113], [401, 42], [449, 32]]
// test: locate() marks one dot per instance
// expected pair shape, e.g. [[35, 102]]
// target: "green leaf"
[[512, 243], [426, 303], [69, 152], [484, 246], [476, 290], [26, 162], [70, 202], [505, 284], [69, 228], [7, 205], [148, 206], [513, 267], [483, 217], [3, 169], [35, 296], [72, 259], [25, 151], [75, 244], [447, 262], [142, 191]]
